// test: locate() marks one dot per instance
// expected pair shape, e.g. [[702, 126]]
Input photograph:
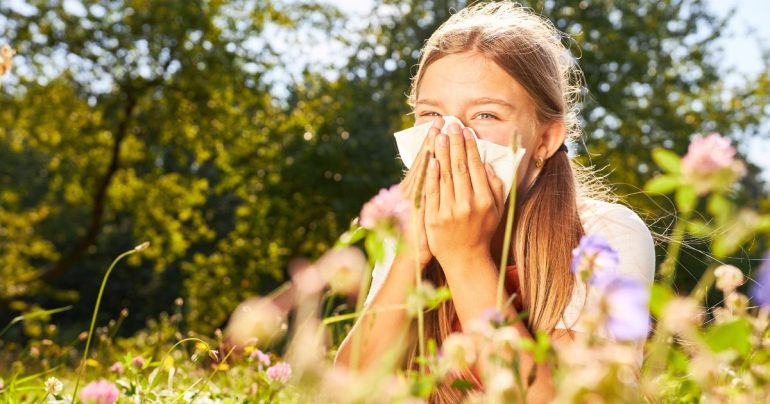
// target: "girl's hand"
[[464, 200], [413, 186]]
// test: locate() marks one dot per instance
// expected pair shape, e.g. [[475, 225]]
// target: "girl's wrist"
[[466, 260]]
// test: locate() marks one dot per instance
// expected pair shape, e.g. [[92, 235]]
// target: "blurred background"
[[236, 135]]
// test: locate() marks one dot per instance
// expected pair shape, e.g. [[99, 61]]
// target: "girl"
[[500, 69]]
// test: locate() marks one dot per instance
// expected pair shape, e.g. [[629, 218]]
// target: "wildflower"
[[708, 154], [117, 368], [343, 268], [500, 382], [83, 335], [506, 338], [2, 384], [262, 358], [710, 163], [142, 246], [214, 355], [99, 392], [680, 314], [388, 209], [179, 301], [280, 372], [625, 301], [494, 316], [458, 351], [306, 277], [728, 278], [124, 312], [760, 291], [138, 362], [258, 318], [593, 255], [6, 59], [53, 386]]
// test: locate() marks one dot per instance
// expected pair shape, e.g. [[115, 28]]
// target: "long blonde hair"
[[547, 224]]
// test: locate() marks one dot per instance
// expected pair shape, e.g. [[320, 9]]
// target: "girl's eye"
[[485, 115], [429, 113]]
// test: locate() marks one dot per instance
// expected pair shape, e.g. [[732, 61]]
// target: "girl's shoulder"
[[625, 231]]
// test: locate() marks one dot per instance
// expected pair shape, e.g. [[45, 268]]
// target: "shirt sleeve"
[[629, 236], [381, 269]]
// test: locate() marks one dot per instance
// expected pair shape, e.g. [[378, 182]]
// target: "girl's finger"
[[496, 185], [461, 180], [445, 184], [432, 192], [476, 167]]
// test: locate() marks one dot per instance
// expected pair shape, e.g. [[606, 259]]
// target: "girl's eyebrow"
[[475, 101]]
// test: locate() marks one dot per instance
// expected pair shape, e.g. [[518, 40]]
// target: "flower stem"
[[96, 311], [668, 267], [508, 227], [360, 299]]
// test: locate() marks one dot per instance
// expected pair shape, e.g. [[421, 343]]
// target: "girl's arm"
[[473, 282], [384, 321], [464, 206]]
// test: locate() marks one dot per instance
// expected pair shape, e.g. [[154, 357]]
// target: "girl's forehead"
[[467, 75]]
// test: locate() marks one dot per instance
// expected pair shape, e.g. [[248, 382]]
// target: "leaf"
[[442, 294], [351, 237], [374, 248], [733, 335], [462, 384], [662, 184], [669, 161], [723, 246], [699, 228], [685, 198], [719, 207], [660, 295], [763, 224]]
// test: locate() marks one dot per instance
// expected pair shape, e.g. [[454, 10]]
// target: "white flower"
[[53, 386], [501, 382], [258, 318], [459, 352], [728, 278], [680, 314], [506, 338], [343, 269]]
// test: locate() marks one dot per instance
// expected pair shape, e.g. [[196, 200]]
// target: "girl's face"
[[484, 97]]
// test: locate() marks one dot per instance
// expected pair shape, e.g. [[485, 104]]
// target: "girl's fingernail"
[[468, 135], [433, 163]]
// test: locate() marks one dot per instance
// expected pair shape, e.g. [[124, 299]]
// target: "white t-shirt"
[[622, 228]]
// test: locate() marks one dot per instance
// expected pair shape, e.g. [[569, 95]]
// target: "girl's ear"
[[551, 139]]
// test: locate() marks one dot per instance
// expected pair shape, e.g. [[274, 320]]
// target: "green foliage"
[[156, 121]]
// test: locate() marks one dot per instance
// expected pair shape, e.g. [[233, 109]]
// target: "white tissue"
[[501, 158]]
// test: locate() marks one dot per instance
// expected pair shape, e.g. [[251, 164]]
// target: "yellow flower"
[[92, 363]]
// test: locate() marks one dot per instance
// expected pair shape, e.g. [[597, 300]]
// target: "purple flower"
[[760, 291], [626, 303], [708, 154], [388, 208], [117, 367], [99, 392], [594, 256], [280, 372], [138, 362], [262, 358]]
